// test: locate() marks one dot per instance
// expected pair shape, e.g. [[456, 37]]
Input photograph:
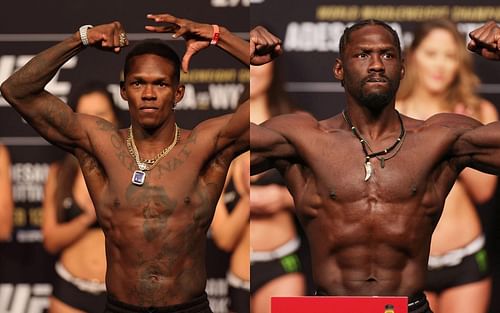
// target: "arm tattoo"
[[90, 165], [57, 118], [121, 151], [105, 125]]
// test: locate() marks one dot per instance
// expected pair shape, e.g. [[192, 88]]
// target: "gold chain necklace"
[[139, 175]]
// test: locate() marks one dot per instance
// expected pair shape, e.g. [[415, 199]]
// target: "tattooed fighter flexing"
[[369, 184], [154, 186]]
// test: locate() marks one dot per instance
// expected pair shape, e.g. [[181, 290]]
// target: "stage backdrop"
[[311, 29], [213, 87]]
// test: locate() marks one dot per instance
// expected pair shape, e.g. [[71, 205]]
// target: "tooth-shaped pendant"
[[368, 170]]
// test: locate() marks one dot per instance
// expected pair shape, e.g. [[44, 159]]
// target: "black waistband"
[[416, 301], [196, 305]]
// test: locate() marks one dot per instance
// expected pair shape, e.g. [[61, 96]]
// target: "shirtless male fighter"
[[369, 184], [154, 186]]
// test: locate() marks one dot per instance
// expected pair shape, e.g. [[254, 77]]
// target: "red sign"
[[339, 304]]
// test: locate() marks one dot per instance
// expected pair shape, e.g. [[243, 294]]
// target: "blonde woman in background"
[[440, 78], [70, 226], [6, 202]]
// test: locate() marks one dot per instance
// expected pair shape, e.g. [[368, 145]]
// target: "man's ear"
[[122, 91], [179, 93], [338, 70]]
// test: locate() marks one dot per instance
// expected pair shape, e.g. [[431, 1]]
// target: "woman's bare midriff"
[[271, 232], [240, 258], [86, 258], [459, 221]]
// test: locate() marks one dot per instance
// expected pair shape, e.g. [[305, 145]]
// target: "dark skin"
[[373, 237], [155, 233]]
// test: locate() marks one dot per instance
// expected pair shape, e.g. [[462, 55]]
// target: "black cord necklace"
[[379, 155]]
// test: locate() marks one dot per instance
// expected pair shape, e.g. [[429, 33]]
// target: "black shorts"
[[473, 268], [197, 305], [263, 272], [68, 293], [418, 304], [239, 300]]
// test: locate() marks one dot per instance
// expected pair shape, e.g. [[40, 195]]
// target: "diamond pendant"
[[142, 166], [138, 177]]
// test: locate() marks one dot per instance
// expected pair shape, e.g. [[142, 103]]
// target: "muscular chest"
[[174, 194], [338, 173], [156, 209], [395, 206]]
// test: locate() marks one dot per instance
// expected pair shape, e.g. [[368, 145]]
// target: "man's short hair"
[[156, 47], [344, 40]]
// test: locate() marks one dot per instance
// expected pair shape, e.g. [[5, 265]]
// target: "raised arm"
[[485, 41], [232, 130], [481, 186], [200, 36], [271, 143], [477, 146], [226, 135], [52, 118], [264, 47]]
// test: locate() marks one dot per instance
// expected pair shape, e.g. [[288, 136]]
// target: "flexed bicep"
[[231, 131], [57, 123], [266, 147], [25, 89], [479, 148]]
